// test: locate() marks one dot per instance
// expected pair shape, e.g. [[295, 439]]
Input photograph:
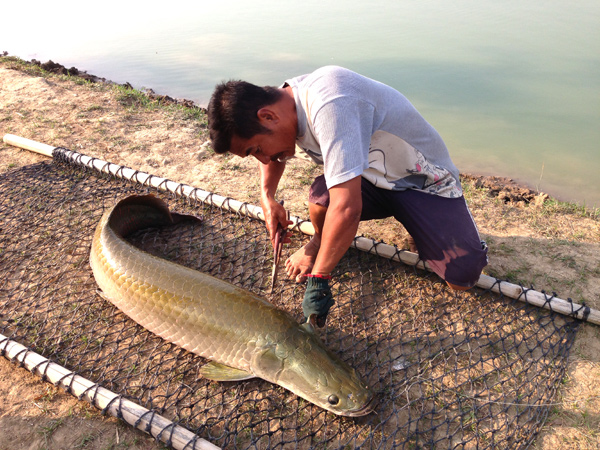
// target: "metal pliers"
[[280, 235]]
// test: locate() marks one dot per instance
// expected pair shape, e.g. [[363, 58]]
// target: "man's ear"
[[267, 116]]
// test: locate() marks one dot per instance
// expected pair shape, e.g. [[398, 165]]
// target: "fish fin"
[[267, 362], [220, 372]]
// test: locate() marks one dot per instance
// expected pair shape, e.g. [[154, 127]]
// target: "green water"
[[512, 86]]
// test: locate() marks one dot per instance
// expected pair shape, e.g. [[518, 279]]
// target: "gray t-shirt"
[[357, 126]]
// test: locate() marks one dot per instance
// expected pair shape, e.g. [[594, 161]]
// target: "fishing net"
[[450, 369]]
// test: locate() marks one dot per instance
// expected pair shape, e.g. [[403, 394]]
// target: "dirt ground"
[[533, 240]]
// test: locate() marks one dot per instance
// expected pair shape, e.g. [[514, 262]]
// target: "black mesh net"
[[450, 369]]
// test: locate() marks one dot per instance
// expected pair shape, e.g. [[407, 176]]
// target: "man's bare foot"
[[303, 260]]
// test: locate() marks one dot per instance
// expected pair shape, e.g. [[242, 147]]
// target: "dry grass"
[[554, 246]]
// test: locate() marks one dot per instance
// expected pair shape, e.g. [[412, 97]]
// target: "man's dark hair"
[[233, 111]]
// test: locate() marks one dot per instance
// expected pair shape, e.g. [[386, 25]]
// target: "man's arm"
[[275, 214], [341, 224]]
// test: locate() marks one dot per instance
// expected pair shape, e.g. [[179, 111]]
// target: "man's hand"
[[317, 300], [276, 216]]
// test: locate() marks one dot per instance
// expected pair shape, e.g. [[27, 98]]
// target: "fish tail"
[[143, 211]]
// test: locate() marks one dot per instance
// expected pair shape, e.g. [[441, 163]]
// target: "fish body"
[[242, 334]]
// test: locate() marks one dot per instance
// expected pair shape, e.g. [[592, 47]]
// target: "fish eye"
[[333, 399]]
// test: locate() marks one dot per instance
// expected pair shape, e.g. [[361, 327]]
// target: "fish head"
[[303, 365]]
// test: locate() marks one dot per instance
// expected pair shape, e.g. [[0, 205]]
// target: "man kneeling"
[[380, 159]]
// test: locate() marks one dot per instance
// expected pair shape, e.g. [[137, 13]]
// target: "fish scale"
[[243, 333]]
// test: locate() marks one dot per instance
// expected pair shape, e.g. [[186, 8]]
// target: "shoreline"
[[58, 69], [504, 188]]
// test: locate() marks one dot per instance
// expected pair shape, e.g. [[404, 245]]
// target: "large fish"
[[242, 334]]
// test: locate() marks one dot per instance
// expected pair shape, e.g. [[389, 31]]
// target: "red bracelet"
[[316, 275]]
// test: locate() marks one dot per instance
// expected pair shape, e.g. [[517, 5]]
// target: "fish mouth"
[[364, 410]]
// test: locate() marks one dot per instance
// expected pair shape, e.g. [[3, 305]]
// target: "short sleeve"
[[344, 127]]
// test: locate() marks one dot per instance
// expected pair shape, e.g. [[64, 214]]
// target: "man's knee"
[[464, 280], [463, 273], [457, 287]]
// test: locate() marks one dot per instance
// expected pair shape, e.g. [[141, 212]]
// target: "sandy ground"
[[532, 239]]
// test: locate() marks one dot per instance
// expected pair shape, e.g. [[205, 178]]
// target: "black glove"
[[317, 299]]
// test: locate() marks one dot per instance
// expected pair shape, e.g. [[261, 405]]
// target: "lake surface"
[[512, 86]]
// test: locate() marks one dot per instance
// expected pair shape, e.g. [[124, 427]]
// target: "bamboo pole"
[[539, 299], [160, 183], [531, 296], [139, 417], [28, 144]]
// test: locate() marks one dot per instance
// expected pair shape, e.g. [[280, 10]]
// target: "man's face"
[[279, 143], [275, 146]]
